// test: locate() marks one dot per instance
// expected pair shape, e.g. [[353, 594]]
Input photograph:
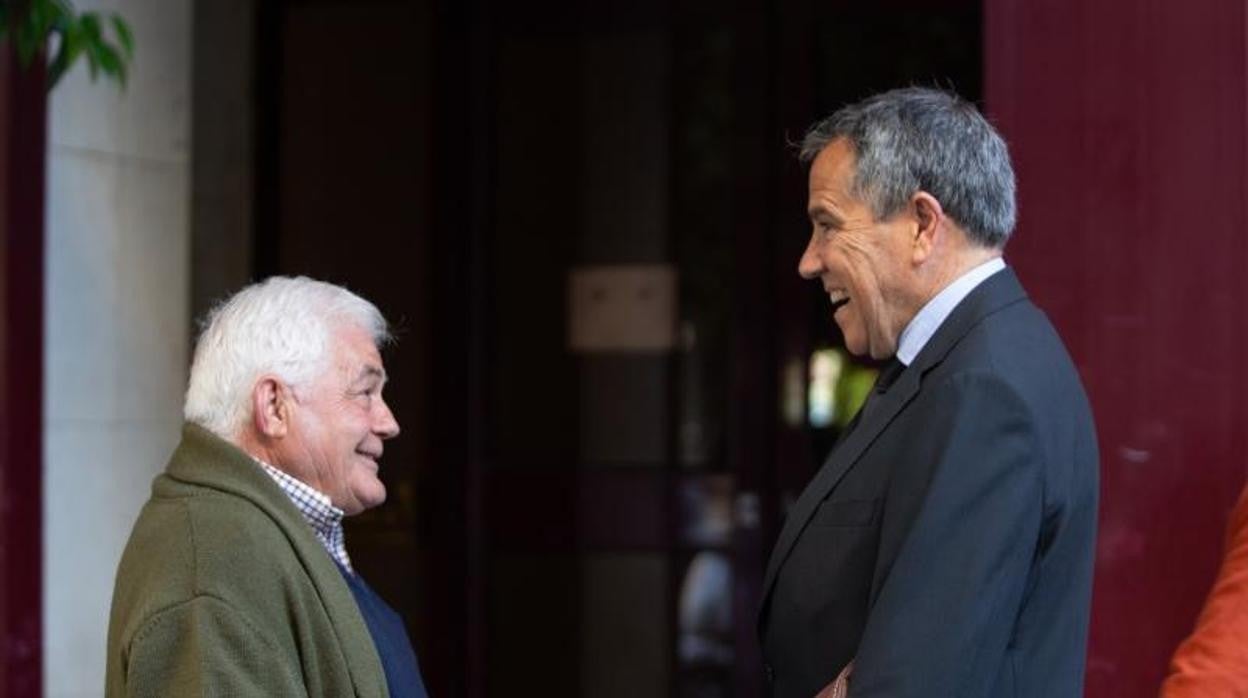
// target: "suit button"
[[771, 673]]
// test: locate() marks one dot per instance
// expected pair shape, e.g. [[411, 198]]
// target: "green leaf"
[[124, 35], [26, 40], [90, 24], [71, 49], [111, 63], [43, 16], [80, 35], [35, 17], [73, 42]]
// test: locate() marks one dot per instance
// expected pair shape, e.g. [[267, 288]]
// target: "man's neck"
[[248, 444], [955, 267], [924, 324], [256, 447]]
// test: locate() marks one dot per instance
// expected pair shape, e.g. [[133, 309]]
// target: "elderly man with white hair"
[[236, 579]]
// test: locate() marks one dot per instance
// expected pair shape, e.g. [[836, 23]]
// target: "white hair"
[[281, 326]]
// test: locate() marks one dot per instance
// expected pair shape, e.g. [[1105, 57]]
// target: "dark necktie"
[[884, 381], [888, 374]]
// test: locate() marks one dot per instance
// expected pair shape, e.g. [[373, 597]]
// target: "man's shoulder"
[[192, 540], [1017, 343], [226, 533], [192, 543], [1013, 354], [1014, 358], [996, 328]]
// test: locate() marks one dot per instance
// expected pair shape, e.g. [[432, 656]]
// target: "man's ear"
[[929, 217], [270, 407]]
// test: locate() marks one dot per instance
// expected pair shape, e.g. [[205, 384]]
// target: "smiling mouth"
[[838, 303]]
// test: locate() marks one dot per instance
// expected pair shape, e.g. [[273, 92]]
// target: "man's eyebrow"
[[820, 211], [371, 371]]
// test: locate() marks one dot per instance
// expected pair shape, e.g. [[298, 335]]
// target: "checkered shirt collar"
[[317, 509]]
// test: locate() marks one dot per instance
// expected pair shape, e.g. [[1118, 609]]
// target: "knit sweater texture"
[[224, 590]]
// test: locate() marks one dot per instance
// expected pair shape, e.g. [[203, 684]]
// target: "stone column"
[[117, 286]]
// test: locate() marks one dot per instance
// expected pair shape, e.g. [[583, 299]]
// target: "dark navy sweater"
[[395, 649]]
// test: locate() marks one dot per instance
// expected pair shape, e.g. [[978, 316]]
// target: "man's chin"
[[375, 497], [854, 343], [364, 496], [854, 346]]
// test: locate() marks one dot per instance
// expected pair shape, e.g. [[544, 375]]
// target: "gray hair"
[[921, 139], [282, 326]]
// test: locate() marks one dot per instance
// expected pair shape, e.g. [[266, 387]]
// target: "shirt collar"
[[317, 509], [933, 314]]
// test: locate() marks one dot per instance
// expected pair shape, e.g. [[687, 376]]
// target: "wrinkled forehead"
[[355, 354], [832, 173], [837, 159]]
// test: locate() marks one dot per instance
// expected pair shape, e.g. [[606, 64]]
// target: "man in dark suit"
[[946, 546]]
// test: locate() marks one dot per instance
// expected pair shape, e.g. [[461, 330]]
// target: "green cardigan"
[[224, 590]]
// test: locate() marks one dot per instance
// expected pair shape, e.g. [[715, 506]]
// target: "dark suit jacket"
[[947, 543]]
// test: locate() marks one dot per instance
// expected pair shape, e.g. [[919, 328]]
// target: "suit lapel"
[[996, 292], [837, 464]]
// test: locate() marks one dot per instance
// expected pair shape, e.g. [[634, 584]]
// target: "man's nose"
[[385, 426], [810, 266]]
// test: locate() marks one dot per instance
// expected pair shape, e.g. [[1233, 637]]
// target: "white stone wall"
[[116, 330]]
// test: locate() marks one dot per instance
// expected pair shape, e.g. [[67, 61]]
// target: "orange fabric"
[[1213, 661]]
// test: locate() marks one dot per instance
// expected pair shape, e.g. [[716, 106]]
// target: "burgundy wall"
[[1127, 125], [22, 136]]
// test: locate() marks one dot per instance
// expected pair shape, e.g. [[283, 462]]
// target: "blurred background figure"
[[583, 216]]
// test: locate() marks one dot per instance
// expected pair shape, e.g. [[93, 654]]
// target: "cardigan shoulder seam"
[[160, 616]]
